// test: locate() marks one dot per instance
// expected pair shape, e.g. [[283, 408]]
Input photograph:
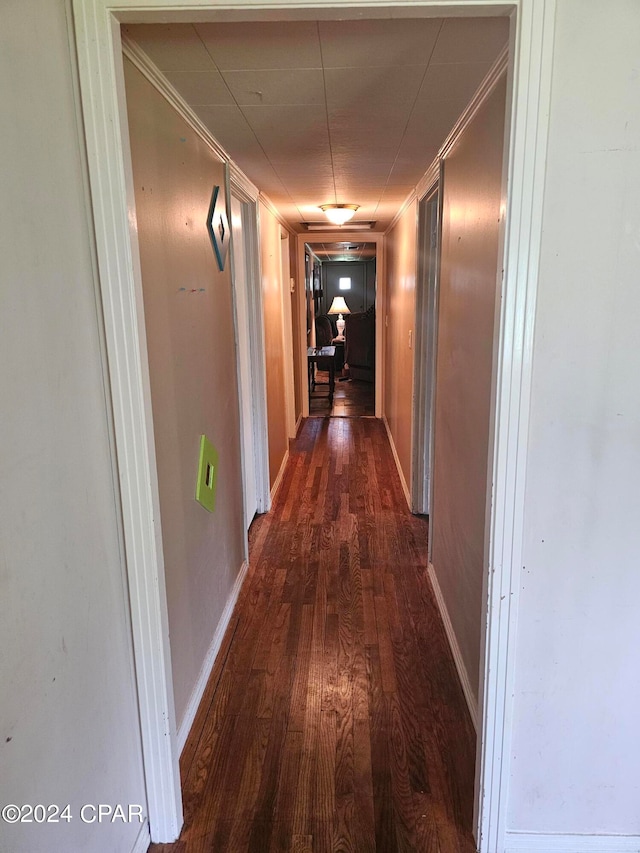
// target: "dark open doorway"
[[342, 309]]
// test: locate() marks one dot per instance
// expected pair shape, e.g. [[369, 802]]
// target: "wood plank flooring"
[[352, 399], [333, 721]]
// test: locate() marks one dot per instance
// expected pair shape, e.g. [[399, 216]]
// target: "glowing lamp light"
[[339, 307], [339, 213]]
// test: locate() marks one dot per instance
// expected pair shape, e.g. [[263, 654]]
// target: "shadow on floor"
[[352, 398]]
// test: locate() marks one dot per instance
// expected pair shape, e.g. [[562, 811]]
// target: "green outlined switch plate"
[[207, 474]]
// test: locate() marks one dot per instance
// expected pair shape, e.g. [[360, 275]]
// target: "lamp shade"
[[339, 213], [339, 306]]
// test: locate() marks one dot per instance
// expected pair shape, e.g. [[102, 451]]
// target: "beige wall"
[[190, 340], [469, 262], [274, 345], [400, 248], [69, 726]]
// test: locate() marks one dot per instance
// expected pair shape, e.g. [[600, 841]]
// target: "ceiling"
[[349, 251], [328, 111]]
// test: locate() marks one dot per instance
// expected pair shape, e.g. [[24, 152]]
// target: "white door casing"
[[287, 333], [426, 324], [239, 275], [97, 32]]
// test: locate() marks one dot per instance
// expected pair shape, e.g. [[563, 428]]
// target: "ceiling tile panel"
[[364, 88], [230, 128], [287, 209], [430, 127], [454, 81], [362, 179], [409, 170], [386, 210], [172, 47], [284, 131], [308, 166], [353, 44], [319, 190], [368, 135], [392, 191], [266, 44], [354, 193], [371, 212], [269, 87], [200, 87], [471, 40], [372, 173], [260, 89]]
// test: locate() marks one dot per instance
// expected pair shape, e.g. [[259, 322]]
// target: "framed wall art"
[[218, 226]]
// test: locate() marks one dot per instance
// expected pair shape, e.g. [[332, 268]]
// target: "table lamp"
[[339, 307]]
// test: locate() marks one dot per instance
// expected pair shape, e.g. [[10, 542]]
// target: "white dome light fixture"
[[339, 213]]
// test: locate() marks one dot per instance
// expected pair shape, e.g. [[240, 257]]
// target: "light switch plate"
[[207, 474]]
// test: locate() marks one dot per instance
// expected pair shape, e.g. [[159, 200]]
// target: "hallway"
[[333, 719]]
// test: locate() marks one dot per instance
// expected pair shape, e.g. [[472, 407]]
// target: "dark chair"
[[325, 333], [324, 336], [360, 336]]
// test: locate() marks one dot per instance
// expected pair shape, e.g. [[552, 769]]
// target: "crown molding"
[[401, 210], [242, 184], [484, 90], [266, 201], [431, 176], [150, 70], [429, 179], [493, 75]]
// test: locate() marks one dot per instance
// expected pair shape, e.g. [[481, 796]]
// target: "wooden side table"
[[315, 354], [338, 343]]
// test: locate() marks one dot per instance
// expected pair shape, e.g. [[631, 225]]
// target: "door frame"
[[247, 195], [97, 32], [425, 348], [342, 236], [287, 333]]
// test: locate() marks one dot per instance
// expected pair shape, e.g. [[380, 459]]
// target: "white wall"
[[69, 730], [576, 741], [472, 197], [192, 368]]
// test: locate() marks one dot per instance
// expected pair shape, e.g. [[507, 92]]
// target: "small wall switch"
[[410, 338], [292, 285], [207, 474]]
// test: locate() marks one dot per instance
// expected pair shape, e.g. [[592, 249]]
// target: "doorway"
[[98, 41], [247, 303], [313, 254], [343, 288], [429, 219]]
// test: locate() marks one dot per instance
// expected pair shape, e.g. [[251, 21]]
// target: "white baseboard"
[[278, 479], [207, 666], [463, 675], [298, 422], [535, 842], [403, 482], [143, 840]]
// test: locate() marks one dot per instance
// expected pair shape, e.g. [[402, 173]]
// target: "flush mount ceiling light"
[[360, 225], [339, 213]]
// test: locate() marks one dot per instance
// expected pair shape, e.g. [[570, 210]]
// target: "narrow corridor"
[[333, 720]]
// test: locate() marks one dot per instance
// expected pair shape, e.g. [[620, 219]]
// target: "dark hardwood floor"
[[352, 399], [333, 721]]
